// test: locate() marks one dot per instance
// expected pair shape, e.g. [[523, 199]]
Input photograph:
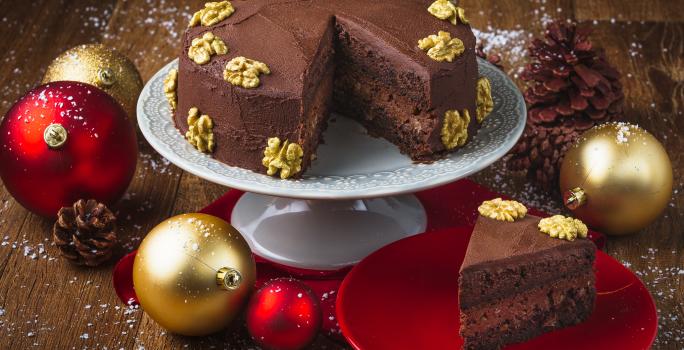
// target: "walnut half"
[[212, 13], [563, 227], [442, 47], [170, 85], [200, 131], [202, 48], [502, 210], [244, 72], [445, 9], [284, 157], [455, 129], [485, 103]]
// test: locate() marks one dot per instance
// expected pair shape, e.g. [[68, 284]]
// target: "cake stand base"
[[325, 234]]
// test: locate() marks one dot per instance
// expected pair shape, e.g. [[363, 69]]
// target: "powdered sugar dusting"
[[511, 45], [623, 133], [29, 248], [663, 282]]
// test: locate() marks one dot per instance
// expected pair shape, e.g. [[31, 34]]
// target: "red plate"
[[405, 296]]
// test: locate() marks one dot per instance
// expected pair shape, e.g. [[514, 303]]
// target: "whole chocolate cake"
[[518, 282], [257, 79]]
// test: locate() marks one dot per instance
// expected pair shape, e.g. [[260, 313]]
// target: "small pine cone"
[[85, 233], [491, 58], [541, 149]]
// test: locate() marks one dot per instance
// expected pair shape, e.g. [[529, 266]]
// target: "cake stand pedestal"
[[355, 198], [325, 234]]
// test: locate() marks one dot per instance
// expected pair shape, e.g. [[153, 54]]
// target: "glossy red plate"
[[405, 296]]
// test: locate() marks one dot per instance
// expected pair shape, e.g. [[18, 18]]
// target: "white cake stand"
[[355, 198]]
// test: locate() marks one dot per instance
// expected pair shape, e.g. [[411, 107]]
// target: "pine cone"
[[491, 58], [85, 233], [571, 88], [544, 148]]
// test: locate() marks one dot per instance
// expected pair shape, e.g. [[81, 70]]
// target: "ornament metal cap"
[[55, 135], [228, 278], [574, 198], [105, 77]]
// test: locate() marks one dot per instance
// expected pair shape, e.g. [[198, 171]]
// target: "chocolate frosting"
[[294, 38], [496, 241]]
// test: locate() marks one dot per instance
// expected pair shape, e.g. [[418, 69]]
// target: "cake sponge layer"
[[519, 317]]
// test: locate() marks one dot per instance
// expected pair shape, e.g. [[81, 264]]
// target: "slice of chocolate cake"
[[517, 282]]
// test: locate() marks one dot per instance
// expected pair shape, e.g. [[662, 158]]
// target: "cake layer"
[[518, 317], [387, 94], [505, 258], [387, 114], [315, 120], [492, 280]]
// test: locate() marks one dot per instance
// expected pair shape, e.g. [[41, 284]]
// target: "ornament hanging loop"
[[105, 77], [55, 136], [228, 278], [574, 198]]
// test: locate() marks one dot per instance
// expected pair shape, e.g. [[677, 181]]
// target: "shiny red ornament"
[[284, 315], [64, 141]]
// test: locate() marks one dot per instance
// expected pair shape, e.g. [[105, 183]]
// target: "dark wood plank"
[[625, 11], [506, 15]]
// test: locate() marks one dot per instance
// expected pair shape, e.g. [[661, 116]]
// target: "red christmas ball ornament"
[[284, 315], [64, 141]]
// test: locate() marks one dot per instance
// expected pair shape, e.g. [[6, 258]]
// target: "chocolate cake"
[[517, 283], [271, 71]]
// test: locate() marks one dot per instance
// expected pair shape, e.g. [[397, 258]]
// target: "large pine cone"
[[85, 233], [569, 78], [571, 87]]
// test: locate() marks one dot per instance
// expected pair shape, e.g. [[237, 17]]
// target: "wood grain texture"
[[625, 11], [46, 303]]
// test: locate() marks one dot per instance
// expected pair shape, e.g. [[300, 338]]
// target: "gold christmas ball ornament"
[[193, 274], [98, 65], [617, 178]]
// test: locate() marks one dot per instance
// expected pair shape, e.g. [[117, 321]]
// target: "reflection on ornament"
[[193, 273], [103, 67], [616, 178], [283, 315]]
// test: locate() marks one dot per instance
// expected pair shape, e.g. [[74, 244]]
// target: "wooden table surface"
[[47, 303]]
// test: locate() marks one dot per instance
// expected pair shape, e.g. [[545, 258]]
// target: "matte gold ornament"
[[193, 273], [98, 65], [617, 178]]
